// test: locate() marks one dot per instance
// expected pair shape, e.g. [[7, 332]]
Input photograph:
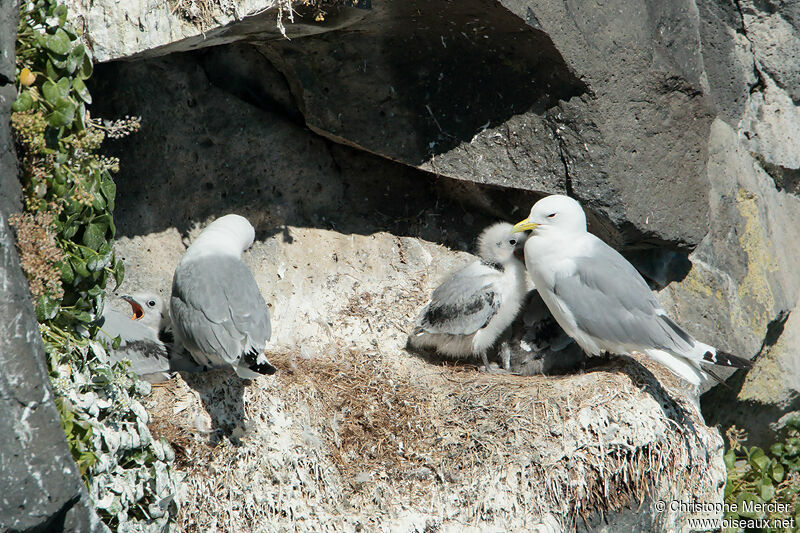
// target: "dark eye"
[[151, 303], [551, 215], [512, 242]]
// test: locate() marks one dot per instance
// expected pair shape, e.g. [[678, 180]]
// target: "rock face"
[[40, 486], [538, 95], [674, 123]]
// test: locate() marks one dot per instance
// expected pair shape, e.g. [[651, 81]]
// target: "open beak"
[[136, 310], [519, 253], [524, 225]]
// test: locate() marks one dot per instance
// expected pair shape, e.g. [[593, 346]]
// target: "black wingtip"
[[250, 359], [264, 368], [726, 359]]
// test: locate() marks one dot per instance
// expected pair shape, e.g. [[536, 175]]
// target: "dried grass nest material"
[[367, 442]]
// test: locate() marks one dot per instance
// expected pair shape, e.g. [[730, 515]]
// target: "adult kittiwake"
[[471, 309], [140, 333], [218, 314], [600, 299]]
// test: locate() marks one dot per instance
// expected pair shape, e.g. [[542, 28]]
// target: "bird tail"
[[253, 364], [720, 358], [684, 367]]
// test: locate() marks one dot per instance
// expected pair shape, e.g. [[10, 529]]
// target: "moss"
[[754, 290]]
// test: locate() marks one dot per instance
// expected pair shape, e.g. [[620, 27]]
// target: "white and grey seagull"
[[600, 299], [471, 309], [218, 314]]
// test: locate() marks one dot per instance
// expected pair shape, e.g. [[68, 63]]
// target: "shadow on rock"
[[644, 380], [222, 395]]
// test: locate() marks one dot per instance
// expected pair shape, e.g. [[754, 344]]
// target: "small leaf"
[[777, 472], [108, 188], [758, 460], [79, 266], [59, 62], [94, 291], [99, 203], [23, 102], [86, 68], [58, 43], [67, 273], [64, 86], [70, 230], [94, 236], [750, 500], [105, 256], [63, 114], [81, 316], [50, 70], [117, 341], [730, 459], [75, 60], [59, 189], [81, 116], [50, 92], [82, 91], [61, 12], [765, 489], [66, 423], [119, 273], [47, 308]]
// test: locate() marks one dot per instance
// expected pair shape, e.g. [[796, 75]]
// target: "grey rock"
[[727, 58], [761, 400], [568, 105], [10, 198], [773, 27], [115, 30], [534, 96], [225, 154]]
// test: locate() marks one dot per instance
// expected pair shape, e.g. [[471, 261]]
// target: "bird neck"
[[215, 243]]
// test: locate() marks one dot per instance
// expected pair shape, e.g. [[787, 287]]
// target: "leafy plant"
[[65, 238], [63, 174], [757, 477]]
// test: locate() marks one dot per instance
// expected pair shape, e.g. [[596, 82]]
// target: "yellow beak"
[[524, 225]]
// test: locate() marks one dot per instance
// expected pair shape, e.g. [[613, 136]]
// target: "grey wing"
[[610, 300], [216, 308], [463, 304]]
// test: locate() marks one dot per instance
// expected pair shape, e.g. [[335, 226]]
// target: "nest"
[[353, 440]]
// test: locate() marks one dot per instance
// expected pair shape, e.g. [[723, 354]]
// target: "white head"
[[148, 309], [231, 234], [554, 212], [497, 243]]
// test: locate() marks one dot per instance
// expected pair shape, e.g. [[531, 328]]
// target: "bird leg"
[[505, 355], [485, 362]]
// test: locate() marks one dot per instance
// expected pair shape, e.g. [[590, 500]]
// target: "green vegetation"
[[757, 477], [65, 238]]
